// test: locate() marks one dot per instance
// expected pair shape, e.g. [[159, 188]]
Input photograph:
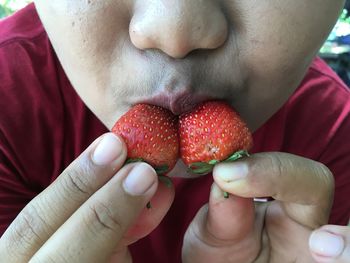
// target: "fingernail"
[[228, 172], [108, 150], [326, 244], [140, 179]]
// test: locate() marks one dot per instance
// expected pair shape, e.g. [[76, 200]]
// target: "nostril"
[[175, 50]]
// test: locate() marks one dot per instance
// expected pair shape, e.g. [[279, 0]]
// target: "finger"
[[223, 229], [150, 218], [330, 244], [305, 187], [50, 209], [95, 229], [122, 255], [229, 219]]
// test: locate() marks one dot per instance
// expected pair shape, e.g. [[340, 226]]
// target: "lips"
[[177, 102]]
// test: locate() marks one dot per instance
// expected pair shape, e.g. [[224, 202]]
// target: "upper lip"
[[177, 102]]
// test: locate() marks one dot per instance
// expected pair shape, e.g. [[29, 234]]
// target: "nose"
[[178, 27]]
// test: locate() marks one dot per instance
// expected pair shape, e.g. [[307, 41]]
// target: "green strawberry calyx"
[[160, 170], [202, 168]]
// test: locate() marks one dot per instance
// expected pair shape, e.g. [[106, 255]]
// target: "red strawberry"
[[211, 133], [150, 133]]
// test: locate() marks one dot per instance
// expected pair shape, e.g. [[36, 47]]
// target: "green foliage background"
[[7, 7], [4, 9]]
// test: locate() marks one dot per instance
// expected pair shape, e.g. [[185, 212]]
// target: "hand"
[[92, 211], [238, 230], [330, 244]]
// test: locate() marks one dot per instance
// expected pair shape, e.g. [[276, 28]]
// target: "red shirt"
[[44, 126]]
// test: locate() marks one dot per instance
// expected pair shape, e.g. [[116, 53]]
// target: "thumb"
[[222, 229], [230, 219], [330, 244]]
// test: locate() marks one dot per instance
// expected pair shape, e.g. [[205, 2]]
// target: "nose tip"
[[176, 47], [178, 30]]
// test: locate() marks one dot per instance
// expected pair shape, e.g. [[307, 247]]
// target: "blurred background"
[[7, 7], [336, 50]]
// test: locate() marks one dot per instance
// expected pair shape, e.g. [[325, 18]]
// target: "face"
[[177, 53]]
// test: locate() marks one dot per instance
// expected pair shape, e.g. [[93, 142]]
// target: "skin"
[[339, 253], [119, 53]]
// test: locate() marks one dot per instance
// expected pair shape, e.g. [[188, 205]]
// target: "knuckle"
[[31, 226], [238, 249], [267, 163], [277, 165], [269, 168], [76, 181], [26, 232], [101, 218], [326, 179]]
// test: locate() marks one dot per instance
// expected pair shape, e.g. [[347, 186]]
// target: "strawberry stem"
[[160, 170], [237, 155], [165, 180], [134, 160], [202, 168]]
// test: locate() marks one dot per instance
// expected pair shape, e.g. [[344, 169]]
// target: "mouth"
[[178, 102]]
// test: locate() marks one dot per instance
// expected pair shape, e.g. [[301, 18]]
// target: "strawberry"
[[150, 133], [211, 133]]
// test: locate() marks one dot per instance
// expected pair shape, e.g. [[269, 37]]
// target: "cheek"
[[87, 38], [278, 41], [288, 34], [276, 65]]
